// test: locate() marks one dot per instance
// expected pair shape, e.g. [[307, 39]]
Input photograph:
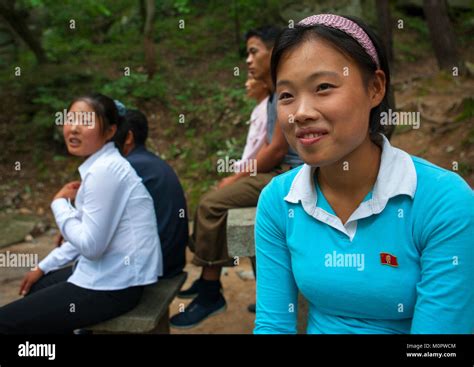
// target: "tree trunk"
[[385, 26], [142, 8], [237, 26], [17, 22], [150, 59], [442, 34]]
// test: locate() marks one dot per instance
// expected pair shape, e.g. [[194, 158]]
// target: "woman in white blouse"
[[110, 232]]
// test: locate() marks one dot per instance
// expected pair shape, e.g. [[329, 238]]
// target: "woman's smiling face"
[[323, 103]]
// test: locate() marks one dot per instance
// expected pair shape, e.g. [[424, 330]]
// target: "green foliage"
[[232, 149], [135, 87], [469, 140], [182, 6], [57, 45], [411, 41], [195, 75], [90, 7], [418, 24], [46, 99], [234, 96], [465, 169], [44, 119], [249, 12], [468, 110], [174, 7]]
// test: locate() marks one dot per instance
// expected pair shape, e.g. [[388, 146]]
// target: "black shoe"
[[193, 291], [252, 308], [197, 312]]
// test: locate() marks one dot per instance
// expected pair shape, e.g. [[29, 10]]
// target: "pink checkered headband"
[[348, 27]]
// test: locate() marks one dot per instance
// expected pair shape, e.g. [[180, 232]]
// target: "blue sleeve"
[[445, 293], [277, 293]]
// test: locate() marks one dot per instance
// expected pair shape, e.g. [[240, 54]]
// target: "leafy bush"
[[134, 87]]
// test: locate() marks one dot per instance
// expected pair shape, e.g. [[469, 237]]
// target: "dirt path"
[[238, 292]]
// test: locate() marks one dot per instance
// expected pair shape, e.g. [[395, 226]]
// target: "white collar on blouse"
[[87, 164], [397, 176]]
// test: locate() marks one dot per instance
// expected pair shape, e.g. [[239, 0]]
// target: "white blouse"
[[112, 229]]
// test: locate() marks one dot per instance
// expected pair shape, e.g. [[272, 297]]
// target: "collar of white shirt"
[[397, 176], [86, 166]]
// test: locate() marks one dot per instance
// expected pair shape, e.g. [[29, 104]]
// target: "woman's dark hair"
[[121, 135], [104, 107], [290, 38]]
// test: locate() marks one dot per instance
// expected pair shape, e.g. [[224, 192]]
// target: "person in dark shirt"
[[164, 187]]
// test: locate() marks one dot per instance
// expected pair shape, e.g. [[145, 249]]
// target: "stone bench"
[[151, 316], [241, 243]]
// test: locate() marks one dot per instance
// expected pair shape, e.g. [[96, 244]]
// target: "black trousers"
[[55, 306]]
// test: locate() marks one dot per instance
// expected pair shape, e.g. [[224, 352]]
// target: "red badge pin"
[[388, 259]]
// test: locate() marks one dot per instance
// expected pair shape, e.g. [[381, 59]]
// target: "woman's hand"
[[69, 191], [30, 278], [59, 240]]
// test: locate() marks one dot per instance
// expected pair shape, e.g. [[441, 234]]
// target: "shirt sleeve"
[[104, 198], [445, 293], [59, 257], [277, 293]]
